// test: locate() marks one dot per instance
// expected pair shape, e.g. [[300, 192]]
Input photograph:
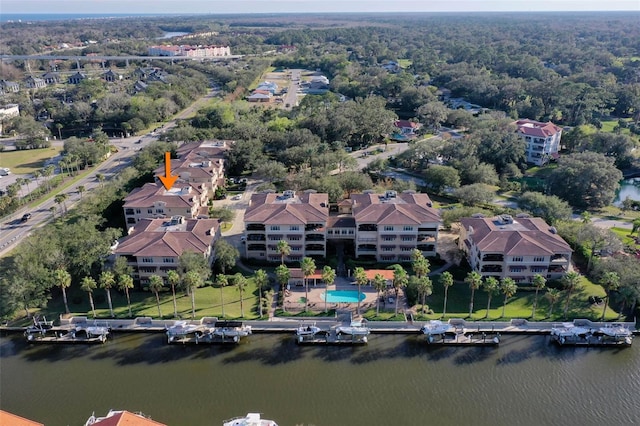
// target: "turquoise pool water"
[[342, 296]]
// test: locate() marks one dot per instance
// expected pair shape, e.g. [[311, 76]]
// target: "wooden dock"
[[63, 335], [202, 339], [591, 341]]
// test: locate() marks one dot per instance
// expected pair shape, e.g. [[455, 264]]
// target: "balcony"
[[426, 247], [493, 258], [314, 247], [314, 227], [129, 211], [491, 268], [558, 258], [367, 247], [256, 237], [367, 240], [255, 227], [368, 227], [315, 237], [257, 247], [427, 229]]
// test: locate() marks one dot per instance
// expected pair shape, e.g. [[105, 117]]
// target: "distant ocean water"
[[30, 17]]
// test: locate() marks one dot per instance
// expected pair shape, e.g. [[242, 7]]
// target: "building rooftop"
[[536, 128], [287, 208], [125, 418], [392, 208], [168, 237], [520, 236]]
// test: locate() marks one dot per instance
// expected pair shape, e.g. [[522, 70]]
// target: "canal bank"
[[393, 380]]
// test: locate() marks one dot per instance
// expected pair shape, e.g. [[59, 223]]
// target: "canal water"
[[394, 380], [628, 188]]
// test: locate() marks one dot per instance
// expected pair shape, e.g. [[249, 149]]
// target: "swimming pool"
[[342, 296]]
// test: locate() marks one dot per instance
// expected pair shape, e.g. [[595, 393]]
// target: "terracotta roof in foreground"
[[125, 418], [14, 420], [180, 195], [536, 128]]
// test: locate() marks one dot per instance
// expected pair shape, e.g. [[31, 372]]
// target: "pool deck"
[[294, 299]]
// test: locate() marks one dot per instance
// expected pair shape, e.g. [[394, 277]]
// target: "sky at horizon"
[[306, 6]]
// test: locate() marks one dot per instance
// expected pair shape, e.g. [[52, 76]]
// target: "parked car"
[[237, 197]]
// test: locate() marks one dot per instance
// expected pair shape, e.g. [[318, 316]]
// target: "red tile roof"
[[151, 238], [524, 237], [180, 195], [536, 128], [275, 209], [125, 418], [407, 124], [404, 209]]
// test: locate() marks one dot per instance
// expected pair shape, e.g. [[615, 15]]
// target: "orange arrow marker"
[[167, 179]]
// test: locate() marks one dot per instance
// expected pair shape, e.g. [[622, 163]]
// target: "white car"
[[237, 197]]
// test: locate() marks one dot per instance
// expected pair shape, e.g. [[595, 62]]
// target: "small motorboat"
[[356, 328], [251, 419], [307, 330], [230, 329]]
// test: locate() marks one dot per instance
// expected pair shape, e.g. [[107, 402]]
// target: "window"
[[295, 248], [149, 211], [406, 248], [388, 228], [295, 238], [538, 259], [168, 260], [147, 260], [330, 232], [160, 211], [517, 259], [407, 228], [389, 238], [294, 228], [138, 211], [410, 238], [350, 232], [275, 227]]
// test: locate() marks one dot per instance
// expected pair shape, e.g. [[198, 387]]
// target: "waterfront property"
[[206, 332], [9, 419], [383, 227], [154, 201], [154, 246], [518, 248]]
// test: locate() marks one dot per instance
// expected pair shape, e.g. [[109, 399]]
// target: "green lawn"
[[28, 160], [143, 303]]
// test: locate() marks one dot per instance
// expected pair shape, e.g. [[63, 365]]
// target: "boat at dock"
[[307, 330], [439, 333], [251, 419], [234, 330], [436, 330], [569, 334], [79, 333], [181, 331], [219, 332], [355, 328]]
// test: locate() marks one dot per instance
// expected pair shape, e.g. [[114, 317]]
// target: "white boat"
[[436, 327], [616, 332], [230, 329], [100, 331], [180, 329], [569, 333], [307, 330], [356, 328], [251, 419]]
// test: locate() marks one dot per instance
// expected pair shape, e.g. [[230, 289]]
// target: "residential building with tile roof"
[[154, 201], [199, 163], [122, 418], [542, 139], [390, 226], [518, 248], [298, 218], [153, 246], [385, 227]]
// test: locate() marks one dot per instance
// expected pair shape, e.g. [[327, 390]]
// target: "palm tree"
[[88, 284], [446, 279], [62, 279], [222, 281], [81, 189], [46, 172], [261, 279], [380, 284], [571, 282], [419, 263], [283, 275], [59, 126], [36, 175], [474, 280], [155, 285], [173, 278], [539, 282], [61, 199], [508, 287], [360, 276], [610, 282], [125, 283], [100, 178], [491, 287], [629, 296], [284, 249], [240, 283], [400, 280], [425, 289], [329, 277], [107, 280], [64, 163], [192, 280], [553, 295], [26, 181], [308, 267]]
